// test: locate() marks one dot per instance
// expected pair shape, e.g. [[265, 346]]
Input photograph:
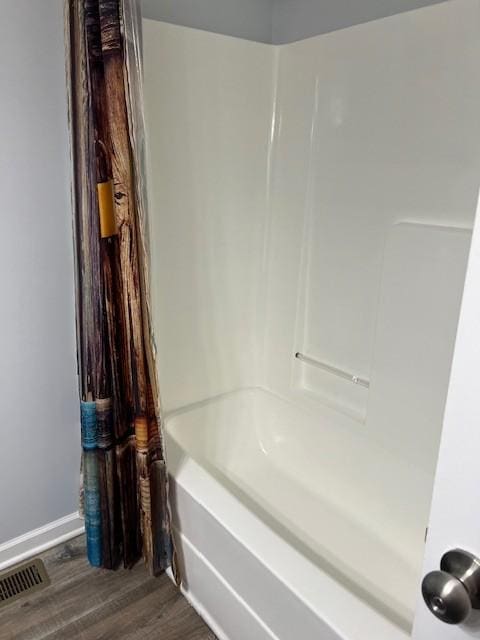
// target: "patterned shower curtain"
[[125, 496]]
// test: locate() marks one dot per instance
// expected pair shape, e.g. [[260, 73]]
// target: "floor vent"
[[22, 580]]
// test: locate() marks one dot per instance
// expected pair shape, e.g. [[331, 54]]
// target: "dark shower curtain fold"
[[124, 474]]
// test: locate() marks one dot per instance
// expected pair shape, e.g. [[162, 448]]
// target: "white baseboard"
[[34, 542]]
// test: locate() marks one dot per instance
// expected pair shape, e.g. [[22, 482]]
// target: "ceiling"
[[275, 21]]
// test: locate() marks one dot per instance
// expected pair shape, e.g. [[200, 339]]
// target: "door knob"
[[454, 591]]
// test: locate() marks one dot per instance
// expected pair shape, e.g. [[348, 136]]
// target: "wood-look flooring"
[[93, 604]]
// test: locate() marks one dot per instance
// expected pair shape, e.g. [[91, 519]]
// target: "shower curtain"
[[125, 496]]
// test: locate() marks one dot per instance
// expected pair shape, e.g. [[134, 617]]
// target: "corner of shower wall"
[[288, 187], [271, 168]]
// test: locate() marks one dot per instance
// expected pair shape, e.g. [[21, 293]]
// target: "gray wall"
[[250, 19], [276, 21], [298, 19], [39, 429]]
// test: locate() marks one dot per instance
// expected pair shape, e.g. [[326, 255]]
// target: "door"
[[455, 514]]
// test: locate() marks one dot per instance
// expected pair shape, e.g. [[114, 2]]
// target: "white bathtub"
[[293, 526]]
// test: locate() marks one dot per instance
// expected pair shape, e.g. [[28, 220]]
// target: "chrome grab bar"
[[333, 370]]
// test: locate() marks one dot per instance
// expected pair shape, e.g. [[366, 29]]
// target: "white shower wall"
[[284, 184], [377, 126], [208, 106]]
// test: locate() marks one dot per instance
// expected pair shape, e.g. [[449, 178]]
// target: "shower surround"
[[313, 199]]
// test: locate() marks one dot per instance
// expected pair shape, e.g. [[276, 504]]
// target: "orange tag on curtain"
[[141, 432], [106, 209]]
